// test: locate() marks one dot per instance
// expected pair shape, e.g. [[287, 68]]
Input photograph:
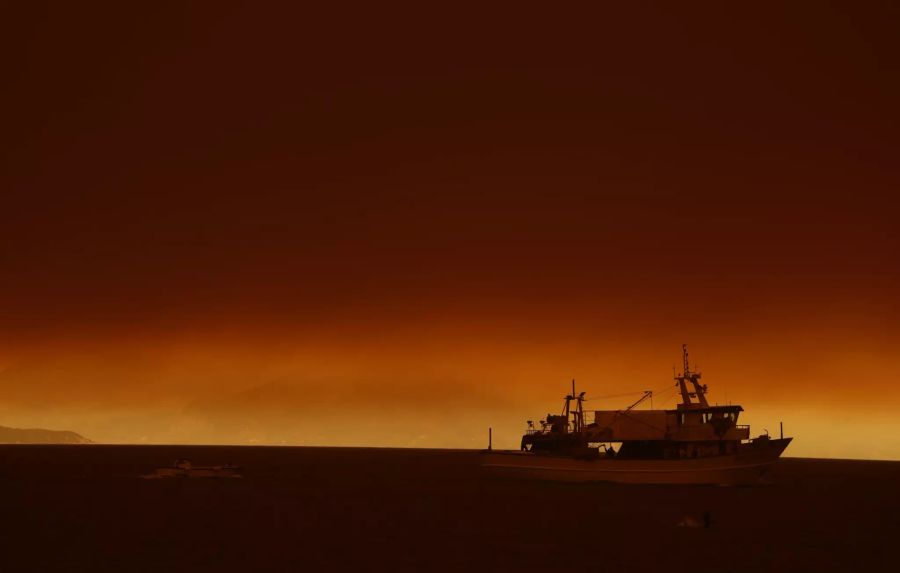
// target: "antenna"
[[687, 366]]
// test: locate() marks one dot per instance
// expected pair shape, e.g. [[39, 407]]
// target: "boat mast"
[[578, 412], [692, 377]]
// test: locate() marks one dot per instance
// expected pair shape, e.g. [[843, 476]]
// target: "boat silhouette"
[[696, 443]]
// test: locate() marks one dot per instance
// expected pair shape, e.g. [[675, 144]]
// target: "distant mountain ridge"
[[40, 436]]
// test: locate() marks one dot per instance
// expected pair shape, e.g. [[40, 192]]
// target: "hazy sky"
[[399, 224]]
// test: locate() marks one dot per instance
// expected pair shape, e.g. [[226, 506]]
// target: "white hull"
[[747, 467]]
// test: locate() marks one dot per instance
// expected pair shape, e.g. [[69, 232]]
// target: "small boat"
[[696, 443], [183, 468]]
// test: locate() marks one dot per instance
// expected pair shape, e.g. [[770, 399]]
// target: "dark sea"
[[87, 508]]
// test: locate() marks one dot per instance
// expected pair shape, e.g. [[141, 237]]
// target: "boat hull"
[[749, 466]]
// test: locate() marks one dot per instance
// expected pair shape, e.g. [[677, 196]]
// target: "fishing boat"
[[183, 468], [696, 443]]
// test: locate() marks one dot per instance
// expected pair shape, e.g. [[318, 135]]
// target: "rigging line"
[[660, 390], [666, 395], [667, 401], [672, 389], [663, 388], [664, 392], [613, 396]]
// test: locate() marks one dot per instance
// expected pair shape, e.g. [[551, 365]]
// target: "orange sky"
[[398, 227]]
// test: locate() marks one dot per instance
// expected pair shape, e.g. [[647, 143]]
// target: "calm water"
[[85, 508]]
